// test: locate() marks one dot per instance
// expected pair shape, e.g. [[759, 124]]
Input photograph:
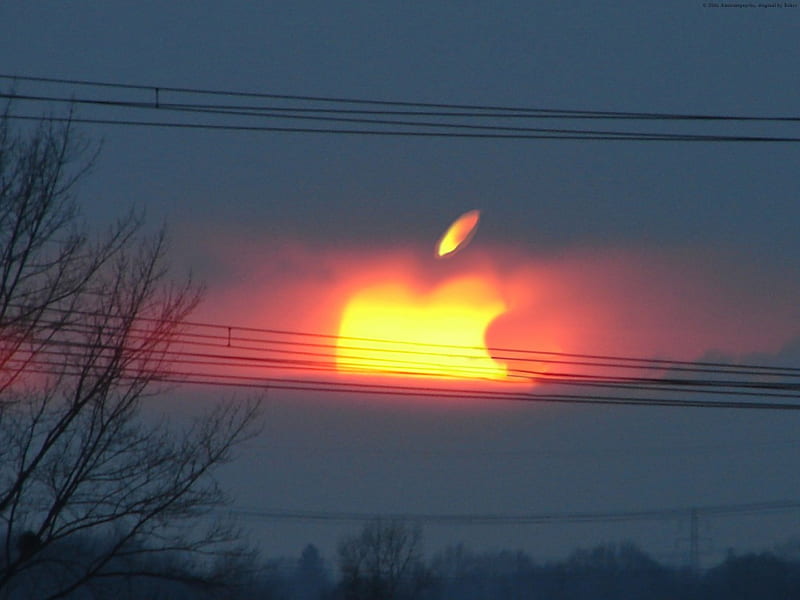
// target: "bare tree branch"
[[87, 329]]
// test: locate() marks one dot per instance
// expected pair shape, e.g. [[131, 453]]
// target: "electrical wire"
[[658, 514], [571, 113], [335, 114], [270, 113], [620, 136], [213, 353], [197, 377], [228, 335], [286, 359]]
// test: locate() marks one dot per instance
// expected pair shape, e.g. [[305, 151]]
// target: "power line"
[[195, 354], [227, 335], [571, 113], [620, 136], [522, 518], [209, 358], [381, 127], [411, 391], [319, 361], [287, 114], [327, 363]]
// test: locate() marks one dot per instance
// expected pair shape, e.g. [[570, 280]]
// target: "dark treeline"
[[384, 561], [618, 571]]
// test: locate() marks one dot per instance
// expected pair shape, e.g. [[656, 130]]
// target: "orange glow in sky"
[[495, 300], [394, 328], [458, 234]]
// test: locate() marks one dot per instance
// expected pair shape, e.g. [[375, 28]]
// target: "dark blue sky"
[[727, 213]]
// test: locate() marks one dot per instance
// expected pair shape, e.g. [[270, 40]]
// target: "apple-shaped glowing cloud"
[[394, 329]]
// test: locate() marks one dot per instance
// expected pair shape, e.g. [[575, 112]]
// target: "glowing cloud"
[[667, 305], [458, 234], [394, 329]]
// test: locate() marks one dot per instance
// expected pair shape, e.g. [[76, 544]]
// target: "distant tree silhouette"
[[753, 577], [383, 562], [311, 577], [466, 575], [616, 572]]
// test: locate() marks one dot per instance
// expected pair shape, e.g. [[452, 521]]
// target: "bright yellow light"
[[458, 234], [441, 334]]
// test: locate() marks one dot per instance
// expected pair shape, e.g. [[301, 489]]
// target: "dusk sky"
[[670, 250]]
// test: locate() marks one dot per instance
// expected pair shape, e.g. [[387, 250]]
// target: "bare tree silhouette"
[[85, 332], [383, 562]]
